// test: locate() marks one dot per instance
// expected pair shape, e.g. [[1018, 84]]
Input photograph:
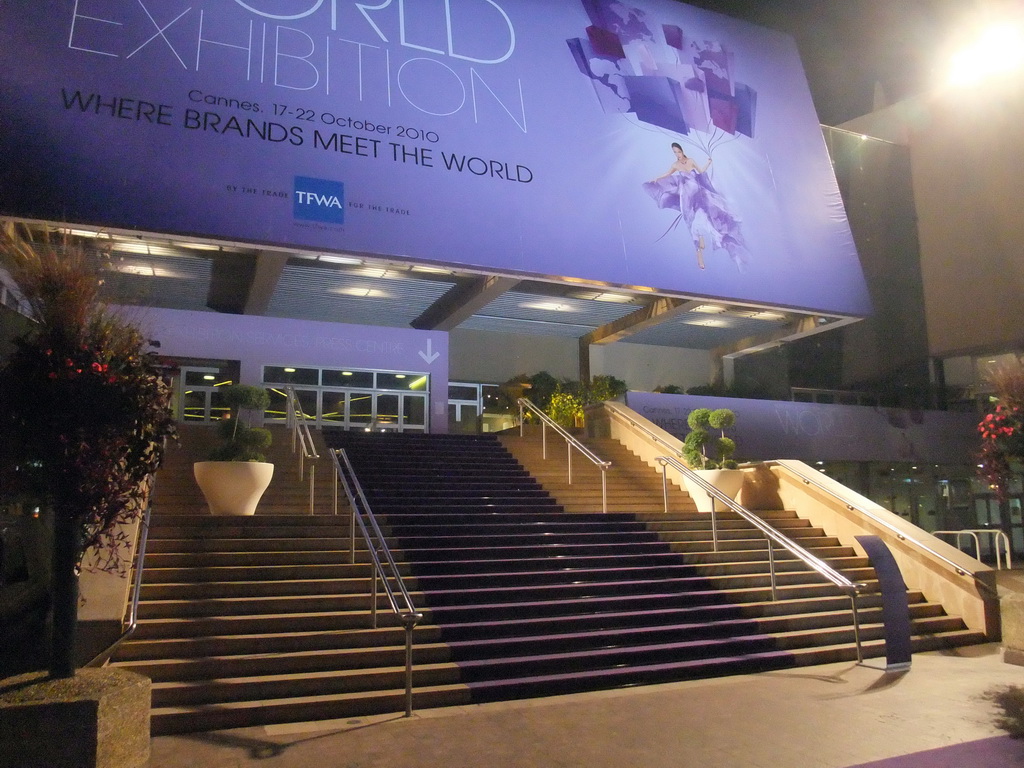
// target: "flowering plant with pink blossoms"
[[1002, 432], [84, 414]]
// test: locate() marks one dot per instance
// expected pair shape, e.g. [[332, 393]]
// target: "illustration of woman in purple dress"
[[686, 188]]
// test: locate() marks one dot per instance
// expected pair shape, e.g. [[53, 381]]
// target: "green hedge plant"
[[702, 448], [241, 441]]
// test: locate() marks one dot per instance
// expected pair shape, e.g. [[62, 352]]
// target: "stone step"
[[524, 586]]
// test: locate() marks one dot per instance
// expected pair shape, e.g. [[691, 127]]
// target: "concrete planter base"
[[1011, 607], [97, 719], [728, 481], [233, 487]]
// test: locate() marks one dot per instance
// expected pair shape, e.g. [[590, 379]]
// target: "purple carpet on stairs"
[[996, 752]]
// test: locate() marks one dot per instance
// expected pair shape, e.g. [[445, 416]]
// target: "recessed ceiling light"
[[144, 270], [145, 248], [549, 306], [329, 259], [372, 272], [362, 293], [198, 246]]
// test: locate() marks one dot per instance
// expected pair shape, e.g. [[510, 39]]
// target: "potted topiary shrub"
[[234, 479], [710, 455]]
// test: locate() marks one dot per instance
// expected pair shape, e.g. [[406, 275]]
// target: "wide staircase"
[[631, 485], [262, 620], [256, 620], [534, 600]]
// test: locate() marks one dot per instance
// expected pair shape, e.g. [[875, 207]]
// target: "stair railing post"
[[856, 629], [352, 536], [568, 448], [664, 484], [543, 439], [521, 422], [352, 528], [714, 525], [373, 597], [312, 475], [604, 489], [771, 570], [290, 421], [410, 621]]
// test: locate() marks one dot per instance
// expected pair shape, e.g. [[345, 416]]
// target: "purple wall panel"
[[769, 429]]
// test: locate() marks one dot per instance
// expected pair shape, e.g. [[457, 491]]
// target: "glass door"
[[199, 399], [414, 412], [351, 399], [465, 405]]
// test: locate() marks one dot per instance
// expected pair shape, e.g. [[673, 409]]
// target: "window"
[[353, 399]]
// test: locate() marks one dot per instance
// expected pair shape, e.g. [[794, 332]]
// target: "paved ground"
[[945, 712]]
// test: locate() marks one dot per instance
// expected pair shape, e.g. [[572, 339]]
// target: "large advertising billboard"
[[640, 143]]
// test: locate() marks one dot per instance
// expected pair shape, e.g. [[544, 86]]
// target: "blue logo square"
[[319, 200]]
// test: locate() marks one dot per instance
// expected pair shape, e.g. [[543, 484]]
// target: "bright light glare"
[[708, 309], [362, 293], [549, 306], [998, 50], [329, 259]]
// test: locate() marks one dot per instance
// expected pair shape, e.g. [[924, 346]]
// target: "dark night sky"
[[847, 46]]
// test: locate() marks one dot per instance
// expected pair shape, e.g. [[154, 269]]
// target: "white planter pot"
[[728, 481], [233, 487]]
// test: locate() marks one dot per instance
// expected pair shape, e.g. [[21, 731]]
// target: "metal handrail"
[[385, 569], [571, 442], [851, 589], [302, 439], [818, 565], [772, 535], [901, 535], [131, 622], [769, 531], [997, 535], [639, 427], [810, 480]]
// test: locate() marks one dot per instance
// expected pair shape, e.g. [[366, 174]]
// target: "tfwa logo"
[[319, 200]]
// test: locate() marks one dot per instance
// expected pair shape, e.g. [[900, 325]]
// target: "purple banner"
[[645, 143], [771, 429]]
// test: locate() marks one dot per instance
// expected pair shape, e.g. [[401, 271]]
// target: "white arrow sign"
[[430, 355]]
